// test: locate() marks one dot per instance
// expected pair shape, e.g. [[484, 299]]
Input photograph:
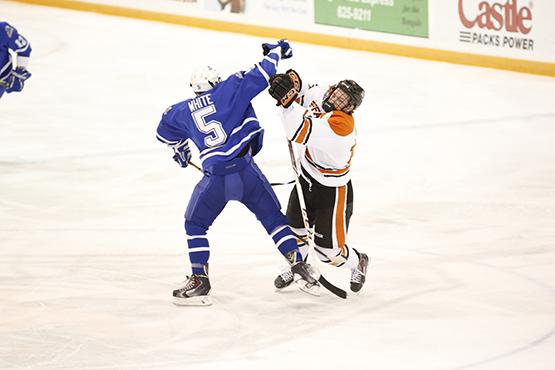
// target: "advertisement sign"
[[230, 6], [287, 11], [497, 24], [404, 17]]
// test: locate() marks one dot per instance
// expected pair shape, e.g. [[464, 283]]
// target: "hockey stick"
[[325, 283], [272, 183], [196, 166]]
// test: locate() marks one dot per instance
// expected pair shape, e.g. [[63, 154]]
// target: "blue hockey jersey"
[[11, 39], [221, 122]]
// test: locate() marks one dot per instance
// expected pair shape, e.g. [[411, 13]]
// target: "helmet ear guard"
[[347, 100], [203, 79]]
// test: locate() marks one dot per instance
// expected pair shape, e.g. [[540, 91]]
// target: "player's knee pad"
[[273, 221], [331, 256], [192, 228]]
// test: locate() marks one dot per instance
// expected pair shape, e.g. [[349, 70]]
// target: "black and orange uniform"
[[329, 140]]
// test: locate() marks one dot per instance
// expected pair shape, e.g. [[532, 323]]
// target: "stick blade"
[[332, 288]]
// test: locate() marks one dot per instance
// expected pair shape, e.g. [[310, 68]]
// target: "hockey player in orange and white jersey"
[[320, 119]]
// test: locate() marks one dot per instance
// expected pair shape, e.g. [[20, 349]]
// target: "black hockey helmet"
[[345, 96]]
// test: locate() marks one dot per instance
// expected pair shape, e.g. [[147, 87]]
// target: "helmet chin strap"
[[327, 106]]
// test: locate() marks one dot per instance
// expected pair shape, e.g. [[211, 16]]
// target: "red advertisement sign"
[[497, 23]]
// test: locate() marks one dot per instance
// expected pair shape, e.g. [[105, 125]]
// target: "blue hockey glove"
[[286, 50], [17, 79], [182, 153], [21, 73]]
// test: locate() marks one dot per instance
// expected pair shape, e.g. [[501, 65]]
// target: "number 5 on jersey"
[[213, 129]]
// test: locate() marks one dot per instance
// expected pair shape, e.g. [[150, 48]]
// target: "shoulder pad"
[[341, 123]]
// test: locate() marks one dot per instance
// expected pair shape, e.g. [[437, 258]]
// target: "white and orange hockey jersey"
[[330, 138]]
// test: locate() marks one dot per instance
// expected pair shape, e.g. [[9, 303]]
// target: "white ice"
[[454, 179]]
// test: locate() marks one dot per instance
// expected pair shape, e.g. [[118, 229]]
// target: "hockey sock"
[[284, 239], [352, 258], [339, 257], [199, 248]]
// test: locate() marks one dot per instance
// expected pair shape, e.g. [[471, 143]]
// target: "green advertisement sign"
[[404, 17]]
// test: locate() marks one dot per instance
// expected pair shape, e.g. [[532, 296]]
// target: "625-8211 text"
[[357, 14]]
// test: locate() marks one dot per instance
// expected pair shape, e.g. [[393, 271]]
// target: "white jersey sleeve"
[[329, 137]]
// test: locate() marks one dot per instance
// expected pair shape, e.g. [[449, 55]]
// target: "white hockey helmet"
[[203, 79]]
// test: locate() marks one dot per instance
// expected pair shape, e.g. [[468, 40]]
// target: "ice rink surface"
[[454, 179]]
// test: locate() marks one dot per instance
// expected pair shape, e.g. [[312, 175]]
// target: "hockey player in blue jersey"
[[222, 123], [12, 77]]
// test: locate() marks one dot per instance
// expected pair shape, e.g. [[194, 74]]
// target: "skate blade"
[[312, 289], [204, 300], [281, 287]]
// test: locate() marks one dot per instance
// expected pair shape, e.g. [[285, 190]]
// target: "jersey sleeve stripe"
[[22, 49], [166, 141], [263, 72], [271, 60], [303, 132]]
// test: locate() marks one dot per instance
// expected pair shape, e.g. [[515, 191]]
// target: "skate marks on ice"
[[116, 311], [84, 322], [491, 328]]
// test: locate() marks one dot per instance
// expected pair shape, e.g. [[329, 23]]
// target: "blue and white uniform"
[[223, 125], [10, 39]]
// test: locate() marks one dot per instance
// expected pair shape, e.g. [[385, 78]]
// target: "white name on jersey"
[[200, 102]]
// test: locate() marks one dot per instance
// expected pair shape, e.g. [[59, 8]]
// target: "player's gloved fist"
[[286, 50], [182, 153], [17, 78], [285, 87], [21, 73]]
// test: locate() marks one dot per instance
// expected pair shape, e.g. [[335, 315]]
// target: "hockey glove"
[[182, 153], [285, 88], [17, 79], [286, 50]]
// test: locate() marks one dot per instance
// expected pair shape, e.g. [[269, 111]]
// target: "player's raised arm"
[[257, 79]]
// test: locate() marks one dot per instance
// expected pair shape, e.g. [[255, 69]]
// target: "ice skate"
[[284, 279], [304, 279], [195, 292], [301, 273], [358, 275]]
